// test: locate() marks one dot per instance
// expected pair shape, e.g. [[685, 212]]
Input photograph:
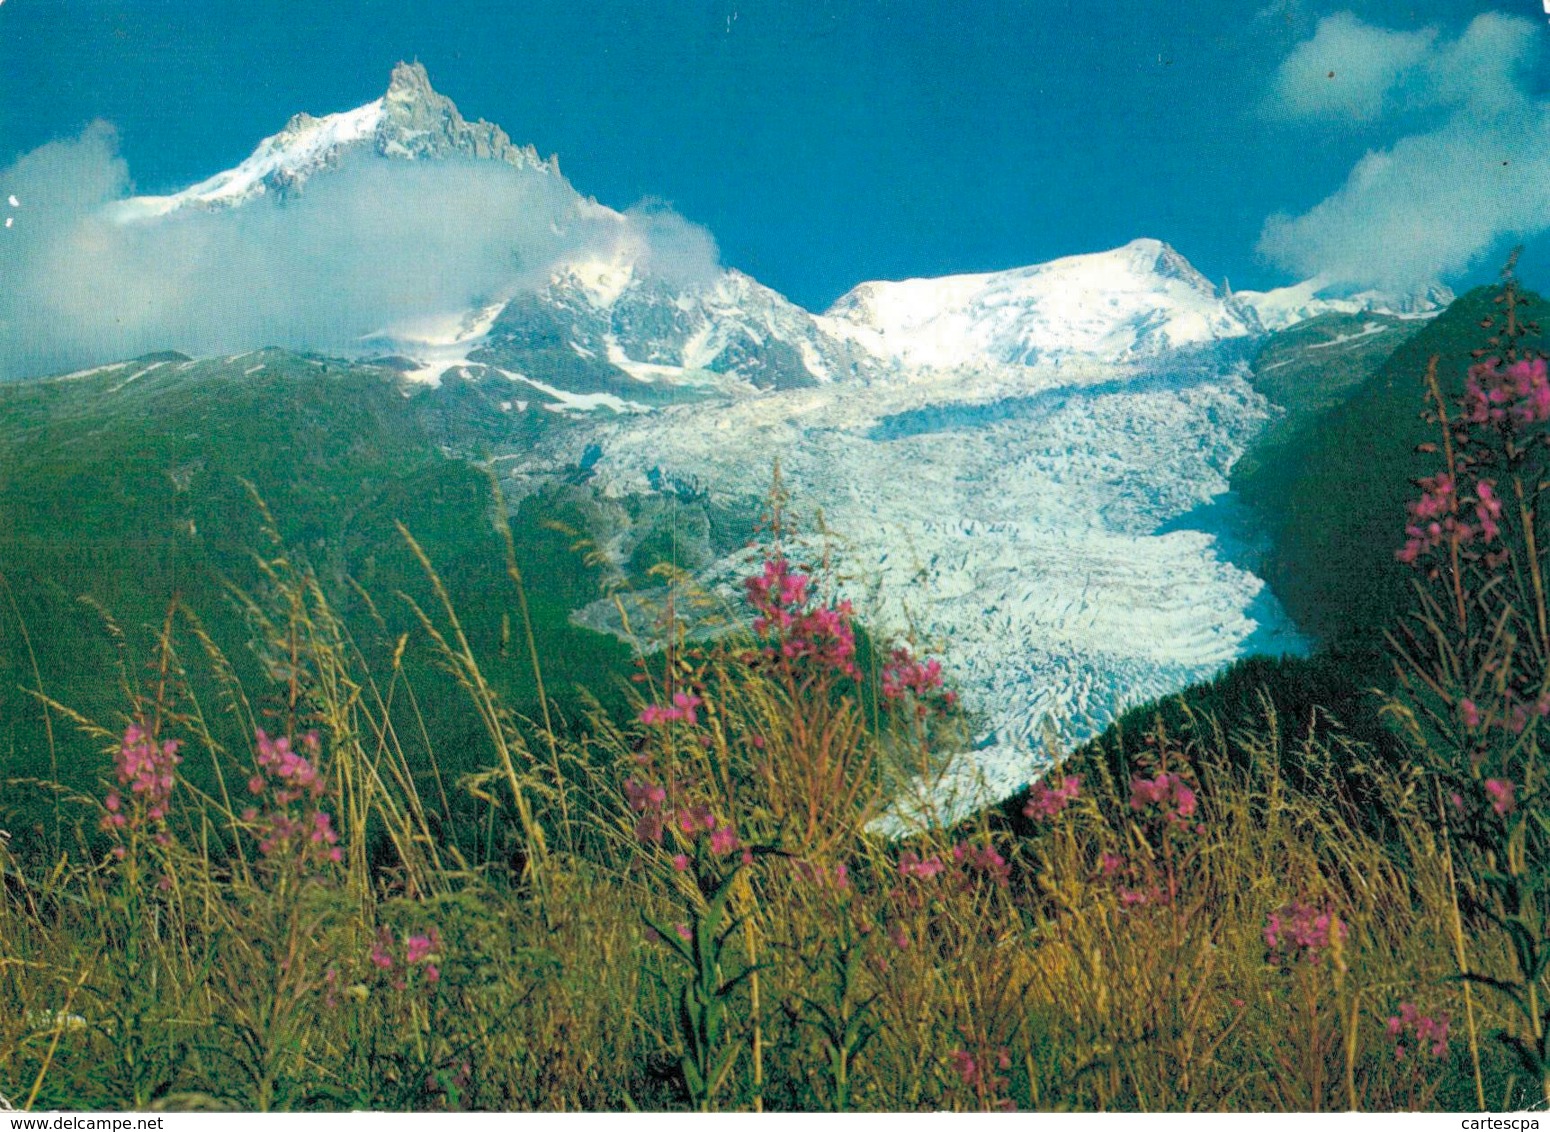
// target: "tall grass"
[[697, 907]]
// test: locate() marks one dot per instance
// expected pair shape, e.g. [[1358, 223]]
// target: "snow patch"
[[306, 144], [564, 401]]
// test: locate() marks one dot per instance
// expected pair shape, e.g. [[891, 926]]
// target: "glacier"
[[1027, 524]]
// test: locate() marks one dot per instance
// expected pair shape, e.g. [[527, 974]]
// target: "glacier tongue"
[[1010, 518]]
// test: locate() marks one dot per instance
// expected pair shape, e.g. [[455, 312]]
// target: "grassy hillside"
[[1312, 367], [1332, 489], [123, 490]]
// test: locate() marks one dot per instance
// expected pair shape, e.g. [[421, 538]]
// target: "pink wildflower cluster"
[[1514, 715], [292, 775], [911, 865], [656, 815], [649, 801], [1121, 874], [1167, 796], [420, 955], [798, 629], [1467, 515], [1519, 394], [981, 1077], [1500, 791], [1047, 802], [1419, 1029], [1439, 516], [1304, 932], [969, 863], [983, 860], [685, 707], [148, 771], [288, 778], [1147, 896], [906, 675]]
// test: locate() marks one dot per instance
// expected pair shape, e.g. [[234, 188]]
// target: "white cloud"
[[1473, 171], [1348, 69], [372, 243]]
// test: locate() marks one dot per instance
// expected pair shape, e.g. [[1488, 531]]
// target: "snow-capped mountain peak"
[[1137, 301], [411, 121], [280, 162], [1283, 307]]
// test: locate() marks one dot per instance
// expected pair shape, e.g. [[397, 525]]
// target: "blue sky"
[[826, 143]]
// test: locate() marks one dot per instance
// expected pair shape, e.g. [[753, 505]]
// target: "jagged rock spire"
[[418, 122]]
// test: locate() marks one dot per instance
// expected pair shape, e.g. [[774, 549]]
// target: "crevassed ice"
[[1020, 522]]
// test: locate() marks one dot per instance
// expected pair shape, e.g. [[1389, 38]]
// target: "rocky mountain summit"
[[412, 121], [421, 124]]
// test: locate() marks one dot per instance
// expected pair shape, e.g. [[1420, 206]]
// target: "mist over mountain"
[[271, 255]]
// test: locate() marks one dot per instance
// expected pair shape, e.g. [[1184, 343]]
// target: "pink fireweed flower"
[[981, 1076], [686, 703], [1167, 796], [649, 829], [905, 674], [1500, 791], [776, 591], [820, 877], [1516, 396], [911, 865], [419, 948], [382, 950], [723, 840], [966, 1066], [147, 770], [795, 629], [1302, 932], [293, 827], [1488, 510], [1469, 712], [983, 859], [1420, 1029], [696, 818], [684, 708], [1142, 897], [293, 775], [1433, 518], [681, 862], [643, 796], [1046, 802]]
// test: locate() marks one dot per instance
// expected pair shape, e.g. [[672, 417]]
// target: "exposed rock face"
[[421, 124]]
